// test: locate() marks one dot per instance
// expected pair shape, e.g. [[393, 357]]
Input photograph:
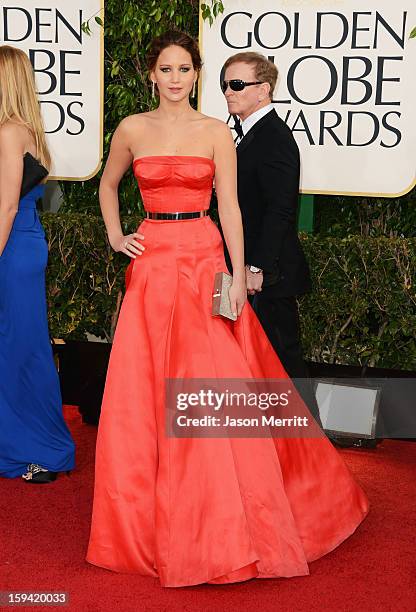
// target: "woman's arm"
[[118, 162], [229, 211], [12, 148]]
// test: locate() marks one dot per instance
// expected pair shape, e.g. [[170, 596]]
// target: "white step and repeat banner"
[[68, 67], [347, 85]]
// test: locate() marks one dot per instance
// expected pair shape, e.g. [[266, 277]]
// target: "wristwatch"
[[255, 270]]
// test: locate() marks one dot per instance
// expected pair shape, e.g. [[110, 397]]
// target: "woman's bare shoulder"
[[219, 129], [133, 124], [130, 121], [214, 123], [15, 133], [127, 131], [15, 140]]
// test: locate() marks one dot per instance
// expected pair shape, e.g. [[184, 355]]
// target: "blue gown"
[[32, 427]]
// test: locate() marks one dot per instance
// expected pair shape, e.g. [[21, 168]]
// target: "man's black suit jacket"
[[268, 170]]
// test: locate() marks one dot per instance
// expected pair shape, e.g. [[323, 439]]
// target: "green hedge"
[[363, 307], [85, 278], [342, 216], [362, 310]]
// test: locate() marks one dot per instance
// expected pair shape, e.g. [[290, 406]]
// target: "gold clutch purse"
[[220, 297]]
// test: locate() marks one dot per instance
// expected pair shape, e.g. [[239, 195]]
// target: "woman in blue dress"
[[34, 440]]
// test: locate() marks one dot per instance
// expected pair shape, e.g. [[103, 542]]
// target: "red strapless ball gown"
[[193, 510]]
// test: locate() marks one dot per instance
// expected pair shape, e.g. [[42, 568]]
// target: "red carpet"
[[44, 533]]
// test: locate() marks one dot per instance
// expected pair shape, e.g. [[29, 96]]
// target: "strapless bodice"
[[174, 183], [30, 199]]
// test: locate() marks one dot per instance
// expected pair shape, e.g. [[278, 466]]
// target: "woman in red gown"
[[196, 510]]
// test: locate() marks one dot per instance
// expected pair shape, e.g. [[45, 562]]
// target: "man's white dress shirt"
[[252, 119]]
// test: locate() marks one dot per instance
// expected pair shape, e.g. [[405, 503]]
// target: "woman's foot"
[[38, 474]]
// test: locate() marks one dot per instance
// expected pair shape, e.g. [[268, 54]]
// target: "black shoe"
[[36, 474], [341, 442]]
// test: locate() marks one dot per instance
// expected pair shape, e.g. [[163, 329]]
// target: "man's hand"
[[254, 281]]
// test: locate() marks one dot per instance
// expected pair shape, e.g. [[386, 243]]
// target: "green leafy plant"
[[344, 216], [211, 12], [362, 308], [86, 28], [85, 277]]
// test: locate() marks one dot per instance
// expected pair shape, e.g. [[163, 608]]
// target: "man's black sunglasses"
[[237, 84]]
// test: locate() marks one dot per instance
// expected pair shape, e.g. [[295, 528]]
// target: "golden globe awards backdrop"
[[347, 85], [69, 76]]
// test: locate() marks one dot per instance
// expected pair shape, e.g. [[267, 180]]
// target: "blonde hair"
[[18, 99], [264, 69]]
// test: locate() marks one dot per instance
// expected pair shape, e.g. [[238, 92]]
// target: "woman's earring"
[[153, 89], [194, 90]]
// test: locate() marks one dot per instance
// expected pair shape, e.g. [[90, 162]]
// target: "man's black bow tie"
[[237, 127]]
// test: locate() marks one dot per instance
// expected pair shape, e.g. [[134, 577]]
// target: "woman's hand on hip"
[[129, 245]]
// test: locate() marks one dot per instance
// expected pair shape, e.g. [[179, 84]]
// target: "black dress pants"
[[279, 318]]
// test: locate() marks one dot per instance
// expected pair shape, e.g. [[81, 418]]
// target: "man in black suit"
[[268, 186]]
